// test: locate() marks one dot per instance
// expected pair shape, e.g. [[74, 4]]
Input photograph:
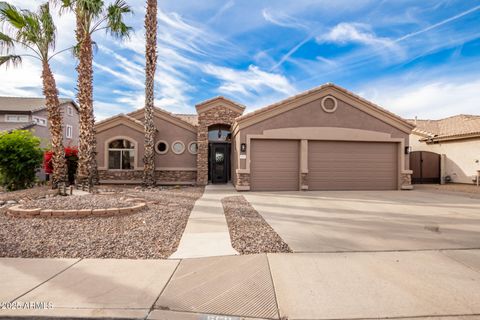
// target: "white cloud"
[[283, 20], [429, 100], [249, 82], [229, 4], [354, 33]]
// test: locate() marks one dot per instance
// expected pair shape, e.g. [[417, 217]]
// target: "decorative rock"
[[2, 202], [11, 202]]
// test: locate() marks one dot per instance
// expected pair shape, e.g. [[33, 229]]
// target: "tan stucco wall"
[[170, 133], [167, 132], [120, 131], [461, 156], [312, 115]]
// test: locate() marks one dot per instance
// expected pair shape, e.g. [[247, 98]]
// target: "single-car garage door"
[[274, 165], [338, 165]]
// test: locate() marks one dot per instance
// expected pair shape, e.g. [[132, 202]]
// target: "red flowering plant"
[[71, 156]]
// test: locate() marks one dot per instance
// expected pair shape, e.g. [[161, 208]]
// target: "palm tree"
[[91, 16], [35, 32], [150, 66]]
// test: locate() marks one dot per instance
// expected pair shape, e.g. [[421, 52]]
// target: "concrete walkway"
[[434, 284], [206, 234]]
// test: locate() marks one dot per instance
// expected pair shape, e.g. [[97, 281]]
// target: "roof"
[[187, 121], [119, 118], [316, 90], [240, 106], [190, 118], [451, 128], [25, 104], [9, 126]]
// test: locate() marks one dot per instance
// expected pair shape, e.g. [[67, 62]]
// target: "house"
[[326, 138], [31, 114], [446, 150]]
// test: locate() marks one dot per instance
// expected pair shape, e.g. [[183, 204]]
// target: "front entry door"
[[219, 162]]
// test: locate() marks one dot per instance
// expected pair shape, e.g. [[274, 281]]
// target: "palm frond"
[[115, 16], [10, 14], [14, 60], [47, 25], [6, 43]]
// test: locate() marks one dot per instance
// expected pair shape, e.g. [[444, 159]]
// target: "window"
[[193, 147], [16, 118], [68, 131], [161, 147], [70, 110], [40, 121], [178, 147], [219, 132], [121, 155]]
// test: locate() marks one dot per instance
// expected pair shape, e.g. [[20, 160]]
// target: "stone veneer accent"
[[215, 115], [243, 179], [406, 180], [160, 175], [304, 181]]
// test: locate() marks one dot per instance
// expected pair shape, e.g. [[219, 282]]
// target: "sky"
[[414, 58]]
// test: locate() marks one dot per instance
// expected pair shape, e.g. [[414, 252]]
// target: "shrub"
[[20, 157], [71, 156]]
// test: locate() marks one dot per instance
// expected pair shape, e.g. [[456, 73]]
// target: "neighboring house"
[[326, 138], [31, 114], [449, 148]]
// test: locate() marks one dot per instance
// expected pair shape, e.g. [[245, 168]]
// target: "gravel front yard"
[[90, 201], [450, 187], [151, 234], [249, 232]]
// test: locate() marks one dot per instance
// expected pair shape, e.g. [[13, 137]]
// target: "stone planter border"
[[17, 211]]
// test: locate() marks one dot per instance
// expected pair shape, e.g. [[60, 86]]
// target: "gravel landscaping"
[[151, 234], [450, 187], [249, 232], [91, 201]]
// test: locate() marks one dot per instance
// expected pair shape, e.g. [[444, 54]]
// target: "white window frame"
[[166, 144], [17, 116], [173, 145], [68, 135], [70, 111], [108, 149], [190, 145], [40, 121]]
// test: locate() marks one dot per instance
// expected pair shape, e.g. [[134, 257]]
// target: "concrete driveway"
[[333, 221]]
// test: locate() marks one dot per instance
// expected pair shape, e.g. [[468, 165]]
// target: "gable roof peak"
[[210, 101]]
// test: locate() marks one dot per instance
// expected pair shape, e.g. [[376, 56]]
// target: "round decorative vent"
[[329, 104]]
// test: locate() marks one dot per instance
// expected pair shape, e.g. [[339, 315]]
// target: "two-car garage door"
[[332, 165], [340, 165]]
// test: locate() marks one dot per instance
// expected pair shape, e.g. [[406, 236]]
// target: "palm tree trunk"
[[150, 67], [87, 140], [55, 126]]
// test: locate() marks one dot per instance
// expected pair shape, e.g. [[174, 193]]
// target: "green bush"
[[20, 157]]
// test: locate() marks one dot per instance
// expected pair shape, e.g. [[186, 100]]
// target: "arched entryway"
[[425, 166], [219, 138], [215, 118]]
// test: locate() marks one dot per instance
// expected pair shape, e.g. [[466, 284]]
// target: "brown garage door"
[[337, 165], [274, 165]]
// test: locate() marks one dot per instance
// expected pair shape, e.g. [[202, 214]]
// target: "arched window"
[[121, 155]]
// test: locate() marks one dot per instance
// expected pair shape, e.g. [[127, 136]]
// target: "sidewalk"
[[367, 285], [206, 233]]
